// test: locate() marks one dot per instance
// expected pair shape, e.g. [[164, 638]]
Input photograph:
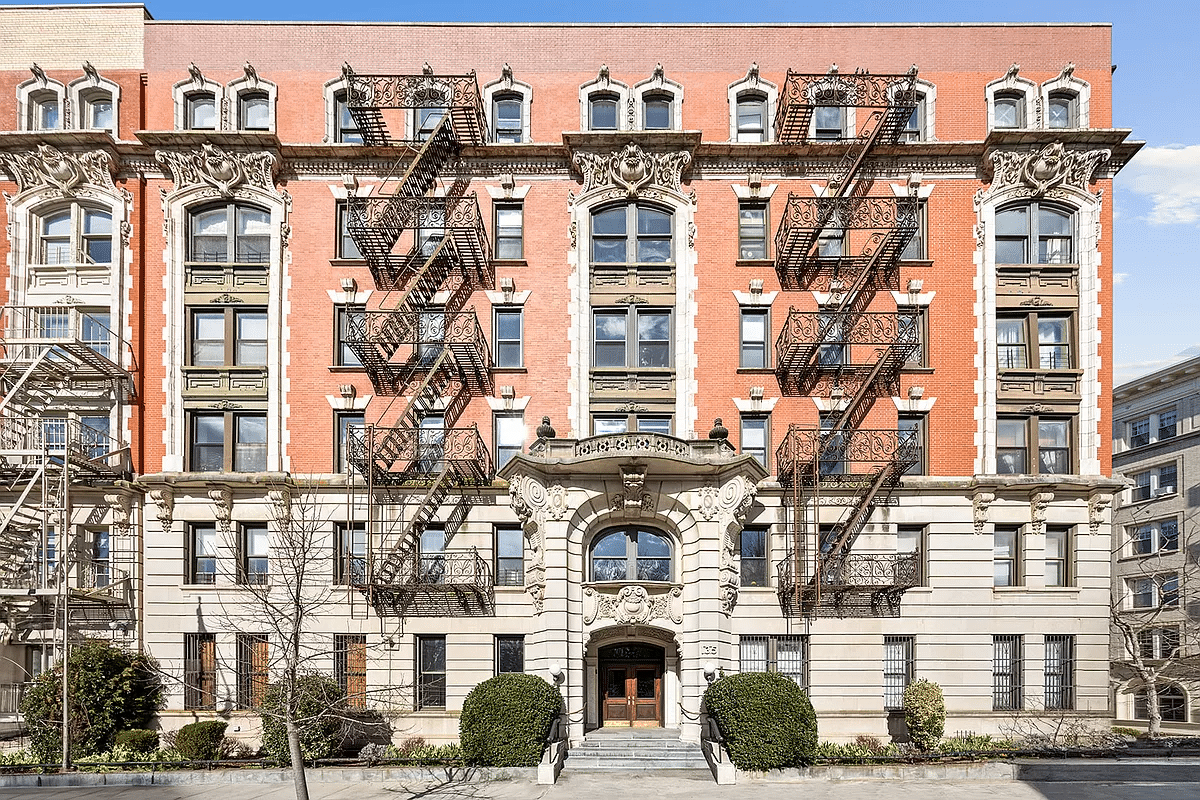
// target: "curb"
[[266, 776]]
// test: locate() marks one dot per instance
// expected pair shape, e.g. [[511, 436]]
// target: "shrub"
[[138, 740], [109, 690], [924, 713], [201, 741], [317, 701], [1128, 733], [766, 720], [505, 720]]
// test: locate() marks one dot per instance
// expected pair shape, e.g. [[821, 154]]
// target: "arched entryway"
[[631, 685]]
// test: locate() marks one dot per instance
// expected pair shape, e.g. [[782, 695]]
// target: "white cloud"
[[1119, 278], [1170, 177]]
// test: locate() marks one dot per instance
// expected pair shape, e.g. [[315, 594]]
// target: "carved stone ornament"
[[979, 509], [1045, 169], [281, 506], [532, 504], [121, 503], [632, 169], [633, 605], [222, 500], [1096, 505], [634, 500], [223, 171], [164, 502], [1039, 502], [50, 167]]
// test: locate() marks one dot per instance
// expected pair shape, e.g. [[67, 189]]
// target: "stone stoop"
[[641, 749]]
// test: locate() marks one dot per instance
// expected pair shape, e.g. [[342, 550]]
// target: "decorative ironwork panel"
[[634, 443], [807, 453], [893, 95]]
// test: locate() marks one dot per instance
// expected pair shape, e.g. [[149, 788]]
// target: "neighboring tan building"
[[1155, 550], [336, 277]]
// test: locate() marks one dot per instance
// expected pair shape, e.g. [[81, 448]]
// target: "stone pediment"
[[631, 170]]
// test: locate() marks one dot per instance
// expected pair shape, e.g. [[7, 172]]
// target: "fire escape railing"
[[416, 341], [817, 352]]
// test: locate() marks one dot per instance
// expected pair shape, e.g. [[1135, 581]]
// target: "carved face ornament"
[[1048, 169], [60, 172], [632, 169], [220, 171]]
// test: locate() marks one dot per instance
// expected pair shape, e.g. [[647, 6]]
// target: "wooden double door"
[[631, 694]]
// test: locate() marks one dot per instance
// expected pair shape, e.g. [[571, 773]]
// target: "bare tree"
[[1155, 611]]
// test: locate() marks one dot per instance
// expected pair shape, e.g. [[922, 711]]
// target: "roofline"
[[45, 6], [1177, 370], [483, 24]]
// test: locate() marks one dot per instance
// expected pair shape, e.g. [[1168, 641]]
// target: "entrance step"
[[635, 749]]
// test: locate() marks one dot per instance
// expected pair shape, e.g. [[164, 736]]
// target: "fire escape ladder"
[[406, 545]]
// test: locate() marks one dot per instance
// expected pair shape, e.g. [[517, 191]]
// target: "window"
[[603, 424], [913, 439], [1155, 591], [1058, 557], [346, 128], [1167, 424], [915, 249], [1160, 536], [754, 556], [833, 450], [1141, 486], [656, 112], [602, 112], [754, 438], [431, 672], [829, 122], [228, 442], [897, 669], [97, 113], [1164, 425], [787, 655], [914, 126], [631, 554], [254, 111], [216, 234], [752, 117], [638, 337], [202, 566], [1063, 110], [432, 549], [832, 351], [1007, 683], [44, 111], [1139, 432], [1054, 445], [510, 654], [1059, 672], [1053, 338], [1156, 482], [255, 554], [228, 337], [350, 667], [431, 443], [631, 234], [427, 119], [253, 669], [1034, 234], [507, 336], [509, 436], [831, 243], [351, 327], [75, 235], [345, 247], [350, 553], [199, 671], [201, 111], [910, 541], [510, 555], [754, 327], [94, 435], [912, 329], [101, 564], [1006, 567], [348, 424], [1008, 110], [1172, 704], [752, 230], [1158, 643], [509, 228], [508, 126]]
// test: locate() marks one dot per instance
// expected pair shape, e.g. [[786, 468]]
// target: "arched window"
[[507, 122], [631, 554], [1036, 233], [74, 235], [1172, 704], [752, 117], [98, 113], [603, 112], [1009, 110], [44, 111], [230, 233], [254, 111], [631, 234], [200, 111]]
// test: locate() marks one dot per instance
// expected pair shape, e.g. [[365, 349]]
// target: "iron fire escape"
[[846, 243], [419, 342], [52, 359]]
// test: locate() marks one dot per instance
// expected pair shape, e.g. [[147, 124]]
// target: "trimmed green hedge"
[[201, 741], [766, 720], [318, 709], [925, 713], [505, 720], [138, 740]]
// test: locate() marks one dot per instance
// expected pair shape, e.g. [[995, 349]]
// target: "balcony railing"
[[850, 585], [370, 95], [450, 583], [395, 346], [851, 341], [75, 338], [31, 438], [418, 456], [642, 443], [891, 97], [11, 695], [809, 455]]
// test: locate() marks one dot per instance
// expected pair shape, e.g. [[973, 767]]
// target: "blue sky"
[[1157, 197]]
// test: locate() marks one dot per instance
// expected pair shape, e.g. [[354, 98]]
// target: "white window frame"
[[194, 85], [1012, 83], [82, 92], [251, 84], [927, 100], [33, 91], [507, 85], [1067, 83], [1155, 584], [753, 83], [604, 84], [658, 86]]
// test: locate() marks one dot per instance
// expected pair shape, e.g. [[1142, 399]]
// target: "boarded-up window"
[[252, 669], [199, 671], [351, 667]]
